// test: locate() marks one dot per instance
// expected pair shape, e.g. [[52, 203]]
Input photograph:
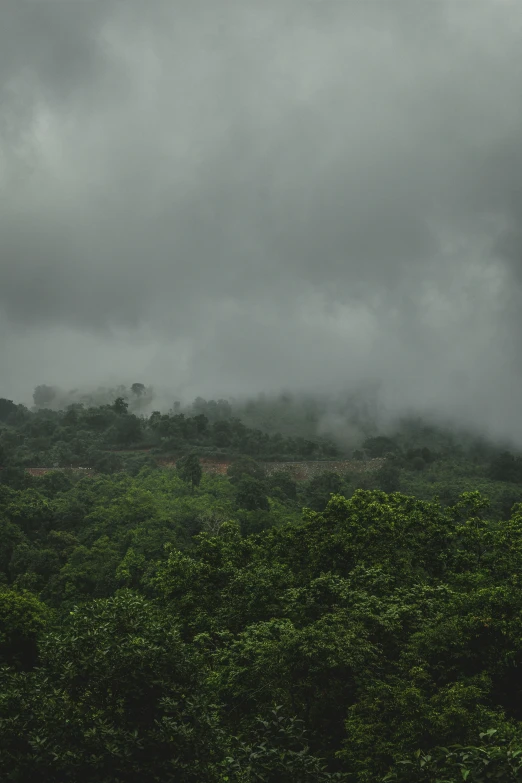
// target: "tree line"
[[92, 436]]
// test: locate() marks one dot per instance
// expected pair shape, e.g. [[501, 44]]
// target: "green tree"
[[321, 488], [201, 423], [104, 461], [251, 494], [491, 760], [379, 446], [120, 406], [127, 430], [118, 697], [138, 389], [245, 467], [506, 467], [6, 408], [388, 477], [282, 485], [276, 749], [54, 482], [22, 620], [190, 470]]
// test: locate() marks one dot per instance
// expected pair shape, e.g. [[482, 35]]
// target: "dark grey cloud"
[[231, 197]]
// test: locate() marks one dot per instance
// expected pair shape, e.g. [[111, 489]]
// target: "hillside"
[[196, 614]]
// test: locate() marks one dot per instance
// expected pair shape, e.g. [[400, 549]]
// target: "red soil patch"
[[128, 451], [300, 471], [208, 464], [43, 471]]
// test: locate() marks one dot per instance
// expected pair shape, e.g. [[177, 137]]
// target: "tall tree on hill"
[[6, 407], [189, 469], [120, 406]]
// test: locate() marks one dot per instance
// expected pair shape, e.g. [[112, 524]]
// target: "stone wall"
[[43, 471], [300, 471], [304, 471]]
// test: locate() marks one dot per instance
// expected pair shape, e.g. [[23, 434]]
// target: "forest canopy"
[[162, 620]]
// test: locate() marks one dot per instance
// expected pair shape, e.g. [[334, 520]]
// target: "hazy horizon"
[[223, 199]]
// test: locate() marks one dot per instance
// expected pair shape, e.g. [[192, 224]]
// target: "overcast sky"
[[232, 197]]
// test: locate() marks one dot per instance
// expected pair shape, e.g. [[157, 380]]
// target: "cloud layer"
[[239, 197]]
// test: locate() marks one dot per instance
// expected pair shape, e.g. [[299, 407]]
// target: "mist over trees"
[[311, 213]]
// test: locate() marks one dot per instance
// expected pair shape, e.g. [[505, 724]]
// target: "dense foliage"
[[165, 624], [101, 436]]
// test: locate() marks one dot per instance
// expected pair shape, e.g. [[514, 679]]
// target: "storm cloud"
[[233, 197]]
